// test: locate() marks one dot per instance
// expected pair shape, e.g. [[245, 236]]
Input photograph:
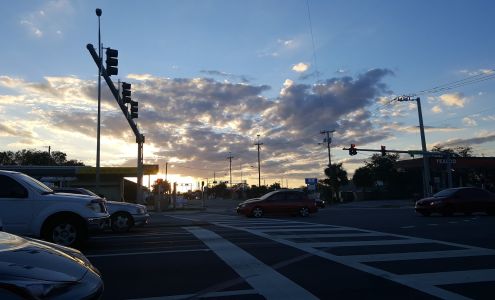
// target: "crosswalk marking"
[[287, 233], [268, 282], [419, 255]]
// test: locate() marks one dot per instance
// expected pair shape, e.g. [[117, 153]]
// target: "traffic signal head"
[[126, 92], [384, 152], [352, 150], [134, 109], [112, 61]]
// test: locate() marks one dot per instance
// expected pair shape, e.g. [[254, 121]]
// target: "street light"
[[98, 13]]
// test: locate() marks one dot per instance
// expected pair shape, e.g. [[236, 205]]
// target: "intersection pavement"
[[224, 256]]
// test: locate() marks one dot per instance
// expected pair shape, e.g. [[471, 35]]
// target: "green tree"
[[160, 185], [220, 190], [27, 157], [462, 151], [336, 177], [274, 186], [363, 178], [383, 168]]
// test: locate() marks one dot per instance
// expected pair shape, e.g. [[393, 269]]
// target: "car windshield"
[[37, 185], [265, 196], [445, 193]]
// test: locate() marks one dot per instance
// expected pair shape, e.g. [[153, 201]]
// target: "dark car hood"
[[24, 258]]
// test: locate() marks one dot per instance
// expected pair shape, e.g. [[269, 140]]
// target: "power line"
[[312, 41]]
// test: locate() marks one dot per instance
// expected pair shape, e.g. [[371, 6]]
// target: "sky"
[[210, 76]]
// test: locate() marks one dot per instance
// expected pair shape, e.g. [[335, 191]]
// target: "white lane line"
[[325, 235], [408, 227], [303, 229], [122, 236], [268, 282], [365, 243], [146, 253], [419, 255], [454, 277], [207, 295]]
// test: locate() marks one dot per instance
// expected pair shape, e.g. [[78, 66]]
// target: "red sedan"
[[278, 202], [465, 200]]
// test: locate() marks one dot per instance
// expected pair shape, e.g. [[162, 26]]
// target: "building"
[[112, 179], [464, 171]]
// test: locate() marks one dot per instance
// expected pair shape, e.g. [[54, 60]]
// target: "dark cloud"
[[233, 77], [197, 121], [469, 141], [15, 131]]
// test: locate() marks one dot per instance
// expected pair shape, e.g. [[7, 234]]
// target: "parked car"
[[34, 269], [123, 215], [278, 202], [28, 207], [465, 200]]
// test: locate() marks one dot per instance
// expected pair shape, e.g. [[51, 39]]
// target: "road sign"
[[312, 181]]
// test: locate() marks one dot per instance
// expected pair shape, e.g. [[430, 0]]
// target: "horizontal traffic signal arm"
[[139, 136], [410, 152]]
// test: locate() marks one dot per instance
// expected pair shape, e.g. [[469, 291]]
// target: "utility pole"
[[259, 166], [328, 140], [100, 54], [426, 164], [230, 167], [166, 170]]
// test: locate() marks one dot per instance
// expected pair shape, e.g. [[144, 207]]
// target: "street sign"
[[446, 161], [312, 181]]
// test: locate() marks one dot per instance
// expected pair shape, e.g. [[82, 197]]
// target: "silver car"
[[123, 215], [34, 269]]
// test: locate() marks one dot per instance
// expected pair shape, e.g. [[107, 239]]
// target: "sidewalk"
[[376, 204]]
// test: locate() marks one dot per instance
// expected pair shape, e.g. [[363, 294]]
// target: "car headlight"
[[96, 206], [435, 203], [242, 205], [141, 210]]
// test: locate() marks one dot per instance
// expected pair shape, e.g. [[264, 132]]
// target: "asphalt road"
[[342, 252]]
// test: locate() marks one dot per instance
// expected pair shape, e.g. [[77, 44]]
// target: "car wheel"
[[121, 222], [66, 232], [257, 212], [425, 213], [304, 211]]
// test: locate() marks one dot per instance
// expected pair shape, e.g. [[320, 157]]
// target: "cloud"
[[486, 138], [233, 77], [436, 109], [454, 99], [48, 19], [280, 47], [300, 67], [470, 122], [197, 121]]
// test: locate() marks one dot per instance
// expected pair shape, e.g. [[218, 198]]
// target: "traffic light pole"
[[132, 124], [426, 164]]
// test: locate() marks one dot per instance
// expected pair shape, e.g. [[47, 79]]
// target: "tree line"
[[28, 157]]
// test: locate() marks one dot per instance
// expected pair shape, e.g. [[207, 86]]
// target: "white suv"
[[28, 207]]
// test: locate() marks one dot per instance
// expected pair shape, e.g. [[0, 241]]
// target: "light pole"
[[98, 13]]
